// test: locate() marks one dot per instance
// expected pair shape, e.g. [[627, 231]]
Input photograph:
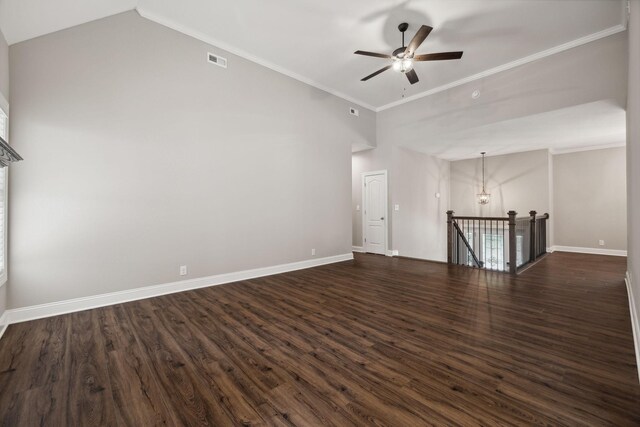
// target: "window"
[[493, 254], [4, 133]]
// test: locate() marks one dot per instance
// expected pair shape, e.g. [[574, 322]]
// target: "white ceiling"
[[314, 40], [25, 19], [593, 125]]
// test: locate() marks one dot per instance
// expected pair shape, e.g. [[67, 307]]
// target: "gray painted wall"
[[590, 199], [633, 163], [418, 230], [4, 67], [517, 182], [141, 157]]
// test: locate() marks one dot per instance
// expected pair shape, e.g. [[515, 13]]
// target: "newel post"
[[449, 237], [513, 264], [532, 239]]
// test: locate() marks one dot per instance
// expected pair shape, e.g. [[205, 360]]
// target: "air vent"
[[218, 60]]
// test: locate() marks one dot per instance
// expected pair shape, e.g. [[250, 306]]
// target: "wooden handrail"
[[484, 218]]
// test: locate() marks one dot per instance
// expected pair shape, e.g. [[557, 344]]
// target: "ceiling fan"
[[403, 58]]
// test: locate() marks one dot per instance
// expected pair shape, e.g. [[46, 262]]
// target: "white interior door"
[[375, 213]]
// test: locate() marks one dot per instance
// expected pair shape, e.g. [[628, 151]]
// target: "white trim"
[[78, 304], [4, 104], [5, 230], [4, 323], [363, 175], [635, 321], [509, 65], [166, 22], [595, 251], [556, 151], [392, 252], [358, 249]]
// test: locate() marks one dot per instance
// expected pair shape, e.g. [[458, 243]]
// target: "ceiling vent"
[[218, 60]]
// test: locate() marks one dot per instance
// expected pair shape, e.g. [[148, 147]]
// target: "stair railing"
[[496, 243]]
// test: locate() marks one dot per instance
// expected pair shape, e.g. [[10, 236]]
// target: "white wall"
[[517, 182], [141, 157], [633, 170], [590, 199]]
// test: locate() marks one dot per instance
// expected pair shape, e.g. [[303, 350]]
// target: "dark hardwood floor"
[[376, 341]]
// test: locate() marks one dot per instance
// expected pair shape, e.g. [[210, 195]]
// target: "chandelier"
[[483, 197]]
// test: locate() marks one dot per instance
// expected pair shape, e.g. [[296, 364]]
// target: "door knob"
[[382, 219]]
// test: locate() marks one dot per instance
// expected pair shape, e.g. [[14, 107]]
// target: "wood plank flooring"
[[377, 341]]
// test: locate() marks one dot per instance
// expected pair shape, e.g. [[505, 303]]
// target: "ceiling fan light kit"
[[404, 58]]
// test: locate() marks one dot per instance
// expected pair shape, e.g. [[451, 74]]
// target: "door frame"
[[364, 175]]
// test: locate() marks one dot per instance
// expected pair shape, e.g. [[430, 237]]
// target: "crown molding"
[[509, 65], [166, 22], [552, 151], [556, 151]]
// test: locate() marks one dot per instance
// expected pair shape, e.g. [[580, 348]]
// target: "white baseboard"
[[4, 322], [635, 321], [361, 250], [595, 251], [24, 314]]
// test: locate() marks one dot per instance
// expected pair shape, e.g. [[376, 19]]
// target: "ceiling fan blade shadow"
[[376, 73], [442, 56], [412, 76], [417, 40], [374, 54]]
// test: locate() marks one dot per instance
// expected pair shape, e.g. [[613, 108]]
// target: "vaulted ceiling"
[[314, 40]]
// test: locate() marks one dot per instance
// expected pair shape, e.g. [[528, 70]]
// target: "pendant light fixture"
[[483, 197]]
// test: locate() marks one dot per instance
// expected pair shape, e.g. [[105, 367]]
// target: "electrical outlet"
[[396, 208], [313, 252], [601, 242], [183, 270], [358, 207]]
